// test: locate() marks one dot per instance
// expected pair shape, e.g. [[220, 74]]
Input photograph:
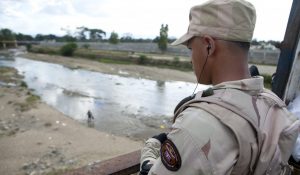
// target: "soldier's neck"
[[231, 69]]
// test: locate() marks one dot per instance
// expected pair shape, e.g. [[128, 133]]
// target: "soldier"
[[234, 127]]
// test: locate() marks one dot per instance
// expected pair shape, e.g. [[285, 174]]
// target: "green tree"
[[22, 37], [254, 42], [163, 37], [114, 38], [82, 33], [94, 34], [7, 35], [68, 38], [39, 37], [127, 37]]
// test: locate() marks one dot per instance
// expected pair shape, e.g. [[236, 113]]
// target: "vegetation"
[[23, 84], [176, 60], [94, 34], [111, 61], [86, 34], [267, 81], [114, 38], [86, 46], [142, 59], [163, 38], [68, 49], [32, 99], [28, 47], [29, 103], [7, 35]]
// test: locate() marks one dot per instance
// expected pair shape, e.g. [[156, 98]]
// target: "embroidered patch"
[[170, 156]]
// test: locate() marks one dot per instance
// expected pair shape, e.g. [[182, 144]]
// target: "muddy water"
[[127, 106]]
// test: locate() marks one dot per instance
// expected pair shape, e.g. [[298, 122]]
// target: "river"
[[133, 107]]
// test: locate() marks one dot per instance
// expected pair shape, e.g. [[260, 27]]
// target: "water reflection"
[[119, 104]]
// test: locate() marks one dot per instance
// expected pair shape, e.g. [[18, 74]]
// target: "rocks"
[[52, 161], [8, 128], [16, 123]]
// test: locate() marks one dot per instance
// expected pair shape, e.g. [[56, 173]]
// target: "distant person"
[[90, 115], [236, 126]]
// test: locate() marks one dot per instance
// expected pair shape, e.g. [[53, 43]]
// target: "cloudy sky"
[[140, 18]]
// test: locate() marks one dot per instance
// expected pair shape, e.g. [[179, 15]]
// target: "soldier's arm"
[[179, 154], [151, 152]]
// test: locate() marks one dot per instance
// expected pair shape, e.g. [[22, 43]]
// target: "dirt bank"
[[152, 73], [37, 139]]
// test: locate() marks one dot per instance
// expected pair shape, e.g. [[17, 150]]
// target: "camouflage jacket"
[[200, 142]]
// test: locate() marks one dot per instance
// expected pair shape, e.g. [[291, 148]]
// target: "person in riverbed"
[[234, 127], [90, 116]]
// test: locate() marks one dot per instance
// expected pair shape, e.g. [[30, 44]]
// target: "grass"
[[267, 81], [4, 70], [122, 57], [32, 99], [111, 61], [8, 75], [29, 103]]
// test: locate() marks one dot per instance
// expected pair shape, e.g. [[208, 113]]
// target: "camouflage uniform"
[[204, 144], [241, 129]]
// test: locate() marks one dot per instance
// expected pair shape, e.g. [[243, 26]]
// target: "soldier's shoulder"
[[196, 119]]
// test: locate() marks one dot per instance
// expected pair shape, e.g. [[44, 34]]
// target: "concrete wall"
[[255, 56]]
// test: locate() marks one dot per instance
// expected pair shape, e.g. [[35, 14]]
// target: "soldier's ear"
[[210, 43]]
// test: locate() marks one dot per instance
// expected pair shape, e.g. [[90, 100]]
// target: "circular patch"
[[170, 156]]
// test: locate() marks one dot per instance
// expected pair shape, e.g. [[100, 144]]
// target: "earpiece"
[[208, 48]]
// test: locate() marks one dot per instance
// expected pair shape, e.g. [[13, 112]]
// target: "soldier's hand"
[[145, 167], [161, 137]]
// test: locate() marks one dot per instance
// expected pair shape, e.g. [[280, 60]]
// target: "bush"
[[142, 59], [114, 38], [23, 84], [267, 81], [86, 46], [68, 49], [176, 60], [28, 47]]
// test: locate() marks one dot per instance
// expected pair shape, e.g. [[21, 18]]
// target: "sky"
[[138, 18]]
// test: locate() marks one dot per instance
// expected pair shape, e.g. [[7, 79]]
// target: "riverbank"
[[127, 70], [37, 139]]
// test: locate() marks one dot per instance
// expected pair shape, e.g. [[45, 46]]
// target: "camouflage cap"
[[232, 20]]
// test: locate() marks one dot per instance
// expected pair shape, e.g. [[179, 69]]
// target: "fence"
[[255, 56]]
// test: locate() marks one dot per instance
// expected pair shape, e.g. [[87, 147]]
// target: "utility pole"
[[288, 51]]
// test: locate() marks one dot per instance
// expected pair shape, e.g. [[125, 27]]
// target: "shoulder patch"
[[170, 156]]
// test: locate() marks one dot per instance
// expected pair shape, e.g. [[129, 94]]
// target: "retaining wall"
[[255, 56]]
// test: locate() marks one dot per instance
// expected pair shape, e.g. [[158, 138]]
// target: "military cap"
[[231, 20]]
